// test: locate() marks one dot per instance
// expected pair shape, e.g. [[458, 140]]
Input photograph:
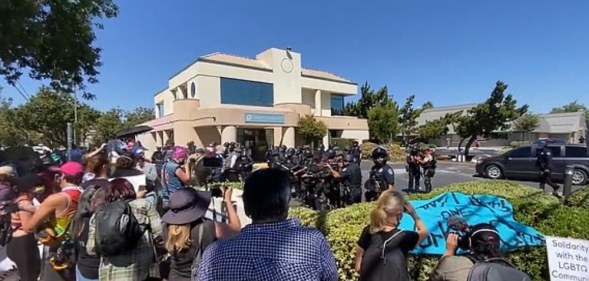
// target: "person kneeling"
[[482, 262]]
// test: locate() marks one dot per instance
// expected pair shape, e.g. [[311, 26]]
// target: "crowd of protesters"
[[135, 221]]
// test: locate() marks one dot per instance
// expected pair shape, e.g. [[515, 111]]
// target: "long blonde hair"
[[389, 205], [178, 238]]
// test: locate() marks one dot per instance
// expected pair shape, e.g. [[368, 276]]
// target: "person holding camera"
[[22, 248], [482, 242], [428, 163], [173, 175], [383, 248], [413, 170]]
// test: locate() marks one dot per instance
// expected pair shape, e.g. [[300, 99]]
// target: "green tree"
[[52, 40], [526, 124], [368, 99], [108, 125], [11, 134], [137, 116], [312, 129], [408, 116], [496, 113], [437, 128], [574, 106], [47, 114], [383, 122]]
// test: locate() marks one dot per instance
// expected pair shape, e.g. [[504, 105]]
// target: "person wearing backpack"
[[482, 263], [188, 232], [122, 232], [383, 248]]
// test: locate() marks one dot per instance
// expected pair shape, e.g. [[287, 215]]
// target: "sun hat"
[[71, 168], [187, 205], [7, 170]]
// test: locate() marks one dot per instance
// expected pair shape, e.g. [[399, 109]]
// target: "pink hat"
[[70, 168]]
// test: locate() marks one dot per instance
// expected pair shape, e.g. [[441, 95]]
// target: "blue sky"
[[448, 52]]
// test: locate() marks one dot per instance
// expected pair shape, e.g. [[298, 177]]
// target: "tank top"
[[15, 217], [62, 220], [170, 182]]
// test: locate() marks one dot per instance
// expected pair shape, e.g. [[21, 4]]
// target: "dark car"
[[520, 163]]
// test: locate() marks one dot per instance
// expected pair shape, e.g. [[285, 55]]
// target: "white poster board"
[[568, 259]]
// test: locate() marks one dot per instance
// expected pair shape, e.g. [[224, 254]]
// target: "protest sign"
[[474, 209], [568, 259]]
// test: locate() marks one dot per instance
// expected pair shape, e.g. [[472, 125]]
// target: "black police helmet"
[[379, 152], [290, 151], [349, 158]]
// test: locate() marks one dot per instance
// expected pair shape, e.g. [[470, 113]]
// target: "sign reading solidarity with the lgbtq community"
[[474, 209], [568, 259]]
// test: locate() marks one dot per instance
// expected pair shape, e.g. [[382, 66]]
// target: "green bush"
[[579, 198], [396, 152], [342, 227], [342, 142]]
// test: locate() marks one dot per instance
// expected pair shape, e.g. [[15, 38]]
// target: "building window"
[[242, 92], [192, 90], [160, 110], [337, 104]]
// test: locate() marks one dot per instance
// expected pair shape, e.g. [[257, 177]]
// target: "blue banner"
[[474, 209]]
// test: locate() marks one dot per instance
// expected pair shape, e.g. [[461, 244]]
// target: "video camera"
[[212, 161], [459, 226]]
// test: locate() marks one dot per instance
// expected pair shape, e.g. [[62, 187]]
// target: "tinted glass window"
[[160, 110], [555, 151], [235, 91], [337, 104], [576, 151], [521, 152]]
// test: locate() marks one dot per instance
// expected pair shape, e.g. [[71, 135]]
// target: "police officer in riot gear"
[[356, 152], [413, 170], [544, 163], [382, 176], [428, 163], [351, 177]]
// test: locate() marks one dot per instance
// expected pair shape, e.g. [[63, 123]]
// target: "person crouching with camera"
[[483, 261]]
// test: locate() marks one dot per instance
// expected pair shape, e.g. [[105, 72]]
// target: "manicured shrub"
[[342, 142], [342, 227], [579, 198], [367, 148]]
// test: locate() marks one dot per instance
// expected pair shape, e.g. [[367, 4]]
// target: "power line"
[[24, 90], [21, 93]]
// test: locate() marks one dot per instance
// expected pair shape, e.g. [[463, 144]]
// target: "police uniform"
[[544, 163], [381, 177], [351, 175]]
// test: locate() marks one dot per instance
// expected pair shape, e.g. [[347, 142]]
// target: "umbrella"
[[133, 131]]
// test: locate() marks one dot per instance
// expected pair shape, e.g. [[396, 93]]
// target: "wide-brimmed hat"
[[187, 205]]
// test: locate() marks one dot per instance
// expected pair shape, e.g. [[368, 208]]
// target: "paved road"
[[446, 173]]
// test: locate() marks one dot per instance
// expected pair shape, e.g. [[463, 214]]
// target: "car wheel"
[[579, 177], [493, 172]]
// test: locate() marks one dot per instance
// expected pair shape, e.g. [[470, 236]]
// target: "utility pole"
[[75, 116]]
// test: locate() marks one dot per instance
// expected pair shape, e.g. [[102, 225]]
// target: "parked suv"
[[520, 163]]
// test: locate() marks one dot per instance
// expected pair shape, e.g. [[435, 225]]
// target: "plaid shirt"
[[275, 251], [136, 265]]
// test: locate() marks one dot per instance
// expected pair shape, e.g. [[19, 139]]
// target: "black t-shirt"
[[88, 264], [408, 239], [397, 243], [181, 261]]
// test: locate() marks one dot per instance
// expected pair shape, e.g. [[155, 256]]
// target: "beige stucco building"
[[257, 101]]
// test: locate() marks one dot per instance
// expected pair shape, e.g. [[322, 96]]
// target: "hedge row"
[[342, 227], [396, 152]]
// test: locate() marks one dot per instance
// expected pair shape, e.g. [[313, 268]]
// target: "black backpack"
[[384, 260], [117, 229], [495, 269]]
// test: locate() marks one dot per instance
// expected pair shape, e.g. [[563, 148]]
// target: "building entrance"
[[258, 139]]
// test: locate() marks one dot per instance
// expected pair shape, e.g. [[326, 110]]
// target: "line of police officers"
[[332, 178]]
